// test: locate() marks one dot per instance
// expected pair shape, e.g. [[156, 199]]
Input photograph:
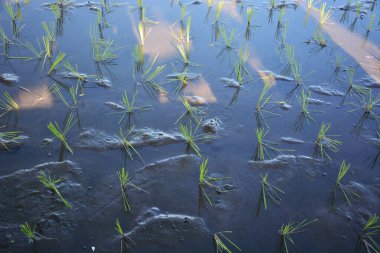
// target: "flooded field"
[[189, 126]]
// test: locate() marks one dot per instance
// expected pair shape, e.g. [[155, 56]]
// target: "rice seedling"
[[366, 236], [263, 146], [103, 50], [138, 57], [338, 62], [191, 137], [183, 12], [219, 10], [305, 114], [37, 53], [74, 72], [319, 39], [56, 62], [51, 184], [5, 41], [345, 189], [126, 144], [151, 73], [227, 38], [120, 231], [368, 106], [191, 111], [296, 69], [7, 104], [62, 134], [272, 4], [143, 34], [205, 180], [130, 106], [324, 15], [221, 245], [184, 53], [264, 100], [49, 31], [325, 142], [249, 16], [290, 60], [10, 137], [140, 4], [13, 16], [287, 231], [56, 91], [29, 232], [125, 180], [268, 189], [239, 70], [369, 28], [353, 88]]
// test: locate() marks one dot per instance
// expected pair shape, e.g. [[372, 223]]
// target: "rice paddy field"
[[189, 126]]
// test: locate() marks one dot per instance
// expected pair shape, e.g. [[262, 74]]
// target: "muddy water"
[[175, 217]]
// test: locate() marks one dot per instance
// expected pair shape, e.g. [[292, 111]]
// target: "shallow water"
[[97, 202]]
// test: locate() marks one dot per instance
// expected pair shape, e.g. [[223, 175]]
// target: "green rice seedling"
[[219, 10], [49, 31], [272, 4], [368, 106], [138, 56], [142, 33], [56, 91], [188, 27], [125, 180], [56, 11], [56, 62], [37, 53], [75, 72], [290, 60], [296, 69], [205, 180], [127, 145], [183, 12], [62, 134], [50, 183], [130, 106], [367, 234], [286, 232], [151, 73], [325, 142], [29, 232], [305, 115], [319, 39], [263, 146], [227, 38], [5, 41], [10, 137], [240, 69], [7, 104], [268, 189], [324, 15], [184, 53], [191, 111], [103, 50], [264, 100], [140, 4], [9, 9], [353, 88], [339, 62], [249, 16], [191, 137], [220, 245], [346, 190], [120, 230]]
